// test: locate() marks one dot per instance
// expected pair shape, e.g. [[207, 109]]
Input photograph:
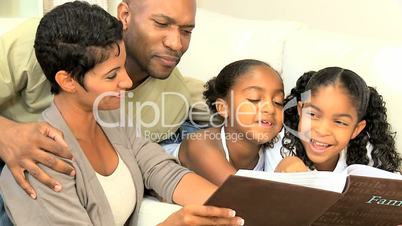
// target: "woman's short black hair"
[[74, 37]]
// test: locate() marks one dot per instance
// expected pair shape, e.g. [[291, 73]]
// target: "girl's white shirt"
[[268, 159], [341, 165]]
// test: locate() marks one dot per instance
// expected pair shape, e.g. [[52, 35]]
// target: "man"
[[156, 32]]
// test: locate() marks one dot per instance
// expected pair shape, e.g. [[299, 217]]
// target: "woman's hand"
[[202, 215], [291, 164]]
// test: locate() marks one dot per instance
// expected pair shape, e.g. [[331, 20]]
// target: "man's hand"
[[202, 215], [23, 145]]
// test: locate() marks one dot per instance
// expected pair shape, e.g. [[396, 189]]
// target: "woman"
[[81, 52]]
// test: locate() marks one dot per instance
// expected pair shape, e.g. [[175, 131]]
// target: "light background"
[[379, 19]]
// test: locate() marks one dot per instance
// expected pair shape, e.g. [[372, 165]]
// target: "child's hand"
[[202, 215], [291, 164]]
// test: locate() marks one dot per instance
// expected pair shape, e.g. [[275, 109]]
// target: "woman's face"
[[105, 83], [328, 121], [255, 108]]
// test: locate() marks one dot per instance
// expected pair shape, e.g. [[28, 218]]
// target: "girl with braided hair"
[[338, 121]]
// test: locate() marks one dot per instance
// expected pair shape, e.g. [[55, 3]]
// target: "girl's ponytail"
[[210, 94], [378, 133]]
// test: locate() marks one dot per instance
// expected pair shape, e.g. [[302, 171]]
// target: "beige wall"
[[34, 8], [20, 8], [380, 19]]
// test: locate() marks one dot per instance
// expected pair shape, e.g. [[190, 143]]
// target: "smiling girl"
[[342, 122], [248, 95]]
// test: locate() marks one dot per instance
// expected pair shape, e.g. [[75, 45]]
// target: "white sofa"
[[290, 47], [293, 48]]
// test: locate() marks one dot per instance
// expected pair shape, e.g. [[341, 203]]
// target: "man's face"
[[157, 34]]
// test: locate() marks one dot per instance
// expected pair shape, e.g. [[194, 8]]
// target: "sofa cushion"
[[220, 39], [153, 212]]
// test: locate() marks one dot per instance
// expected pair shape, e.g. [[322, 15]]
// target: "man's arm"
[[24, 93], [22, 146]]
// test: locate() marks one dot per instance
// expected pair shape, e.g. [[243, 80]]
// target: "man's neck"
[[137, 80], [137, 74]]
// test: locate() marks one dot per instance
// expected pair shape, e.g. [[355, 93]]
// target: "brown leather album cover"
[[366, 201], [269, 203]]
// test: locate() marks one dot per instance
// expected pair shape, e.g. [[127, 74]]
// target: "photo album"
[[360, 195]]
